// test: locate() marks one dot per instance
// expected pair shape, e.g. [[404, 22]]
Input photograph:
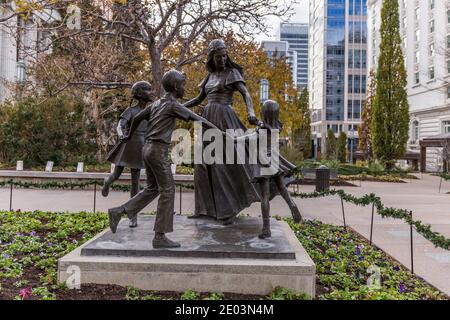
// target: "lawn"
[[32, 242]]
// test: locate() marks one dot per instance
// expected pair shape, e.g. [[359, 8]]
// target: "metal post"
[[440, 185], [181, 197], [351, 147], [95, 195], [343, 213], [371, 223], [10, 196], [412, 246]]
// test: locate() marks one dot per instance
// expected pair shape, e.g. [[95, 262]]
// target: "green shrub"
[[53, 130], [331, 164], [376, 168], [351, 170], [293, 155]]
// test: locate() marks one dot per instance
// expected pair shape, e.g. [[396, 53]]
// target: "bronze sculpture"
[[270, 123], [222, 191], [161, 116], [128, 154]]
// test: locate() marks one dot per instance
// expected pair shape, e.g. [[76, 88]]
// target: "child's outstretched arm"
[[196, 117], [136, 121]]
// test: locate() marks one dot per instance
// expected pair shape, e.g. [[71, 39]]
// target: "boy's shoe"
[[296, 214], [105, 189], [115, 215], [162, 242], [133, 221]]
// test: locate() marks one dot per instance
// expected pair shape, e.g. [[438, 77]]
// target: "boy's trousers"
[[159, 182]]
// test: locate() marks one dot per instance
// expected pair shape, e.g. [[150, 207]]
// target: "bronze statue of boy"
[[161, 116]]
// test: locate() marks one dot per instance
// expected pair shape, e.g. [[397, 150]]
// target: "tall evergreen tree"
[[364, 134], [331, 145], [390, 117], [341, 149], [302, 131]]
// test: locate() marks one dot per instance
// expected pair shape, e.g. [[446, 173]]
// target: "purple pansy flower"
[[5, 256], [397, 268], [33, 234], [402, 288]]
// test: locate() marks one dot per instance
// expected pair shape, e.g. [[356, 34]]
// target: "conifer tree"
[[342, 147], [302, 131], [364, 134], [390, 117], [331, 145]]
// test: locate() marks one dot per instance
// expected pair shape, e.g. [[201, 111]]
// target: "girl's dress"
[[129, 154]]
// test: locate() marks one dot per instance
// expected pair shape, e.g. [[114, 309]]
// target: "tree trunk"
[[157, 69], [92, 98]]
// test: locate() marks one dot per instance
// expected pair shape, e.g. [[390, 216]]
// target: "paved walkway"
[[420, 196]]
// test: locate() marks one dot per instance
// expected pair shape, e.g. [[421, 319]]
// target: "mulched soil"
[[113, 292]]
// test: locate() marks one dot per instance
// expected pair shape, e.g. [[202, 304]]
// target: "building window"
[[448, 42], [448, 66], [417, 14], [431, 49], [431, 73], [446, 126], [431, 26], [415, 132], [417, 57], [417, 35], [448, 92], [431, 4], [417, 78], [448, 16]]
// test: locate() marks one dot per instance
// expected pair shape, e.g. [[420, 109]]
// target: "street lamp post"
[[264, 90], [20, 77], [352, 137]]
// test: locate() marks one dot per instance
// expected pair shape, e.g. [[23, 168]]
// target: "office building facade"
[[338, 68], [425, 30], [280, 49], [296, 34]]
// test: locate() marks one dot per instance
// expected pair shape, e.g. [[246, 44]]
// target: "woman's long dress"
[[223, 190]]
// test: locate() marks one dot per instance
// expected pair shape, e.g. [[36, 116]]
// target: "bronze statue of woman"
[[222, 191]]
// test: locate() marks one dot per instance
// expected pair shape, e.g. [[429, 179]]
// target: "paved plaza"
[[421, 196]]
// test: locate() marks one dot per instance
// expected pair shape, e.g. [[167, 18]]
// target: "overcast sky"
[[301, 15]]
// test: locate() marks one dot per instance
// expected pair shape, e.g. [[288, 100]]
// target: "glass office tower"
[[337, 62], [296, 34]]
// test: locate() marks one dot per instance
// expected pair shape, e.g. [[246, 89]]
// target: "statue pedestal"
[[213, 258]]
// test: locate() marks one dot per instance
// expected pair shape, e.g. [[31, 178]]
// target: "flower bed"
[[32, 242], [344, 259]]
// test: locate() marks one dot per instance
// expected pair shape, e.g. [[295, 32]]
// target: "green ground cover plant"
[[32, 242]]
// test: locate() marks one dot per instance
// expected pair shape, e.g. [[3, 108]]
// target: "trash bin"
[[322, 179]]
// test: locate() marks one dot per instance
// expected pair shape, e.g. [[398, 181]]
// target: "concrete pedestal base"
[[257, 269]]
